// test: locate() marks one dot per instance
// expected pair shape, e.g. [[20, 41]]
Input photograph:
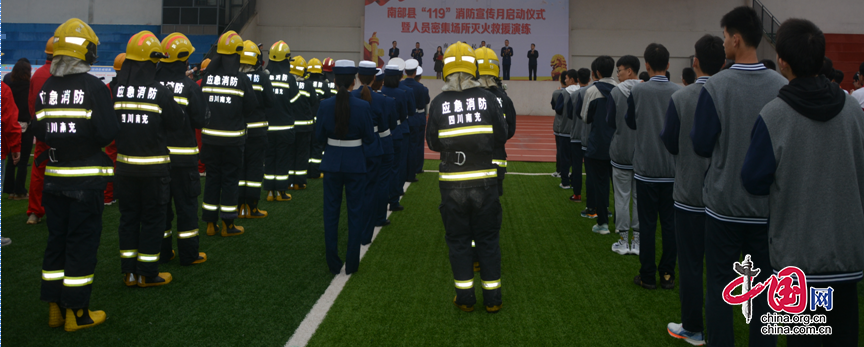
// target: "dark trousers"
[[532, 72], [16, 178], [843, 318], [382, 188], [396, 186], [601, 171], [252, 173], [473, 214], [74, 231], [690, 238], [298, 159], [223, 175], [370, 197], [143, 202], [415, 142], [506, 72], [276, 160], [185, 187], [576, 156], [418, 147], [725, 244], [655, 199], [354, 185], [315, 154], [562, 158]]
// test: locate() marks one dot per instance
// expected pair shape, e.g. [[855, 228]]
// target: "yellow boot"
[[254, 212], [130, 280], [271, 195], [230, 229], [212, 229], [283, 196], [465, 308], [243, 213], [202, 257], [83, 318], [55, 315], [160, 280]]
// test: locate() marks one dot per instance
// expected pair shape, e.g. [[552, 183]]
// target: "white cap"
[[411, 64], [344, 63], [391, 67], [367, 64], [398, 62], [419, 70], [380, 72]]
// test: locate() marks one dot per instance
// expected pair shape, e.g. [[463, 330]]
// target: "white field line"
[[516, 173], [315, 316]]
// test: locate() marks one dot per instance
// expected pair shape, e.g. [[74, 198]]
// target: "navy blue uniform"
[[374, 153], [417, 128], [399, 142], [385, 180]]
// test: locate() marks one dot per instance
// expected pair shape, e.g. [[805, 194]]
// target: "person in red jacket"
[[35, 211], [11, 133]]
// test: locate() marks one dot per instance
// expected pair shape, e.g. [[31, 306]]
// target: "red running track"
[[533, 140]]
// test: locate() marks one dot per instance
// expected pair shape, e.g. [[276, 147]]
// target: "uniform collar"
[[748, 67]]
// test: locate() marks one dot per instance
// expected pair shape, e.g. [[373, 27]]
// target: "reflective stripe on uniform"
[[295, 98], [290, 172], [282, 178], [257, 125], [133, 160], [257, 87], [228, 208], [181, 101], [167, 234], [315, 161], [209, 207], [182, 150], [304, 122], [77, 281], [148, 258], [226, 91], [467, 175], [462, 131], [305, 93], [269, 177], [319, 91], [137, 106], [501, 163], [489, 285], [253, 184], [79, 171], [52, 275], [128, 253], [301, 172], [63, 113], [344, 143], [464, 284], [223, 133], [473, 244], [280, 127], [281, 85], [187, 234], [241, 183]]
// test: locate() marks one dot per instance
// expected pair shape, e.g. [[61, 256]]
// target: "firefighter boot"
[[160, 280], [229, 229], [253, 211], [130, 280], [202, 257], [243, 211], [283, 196], [212, 229], [465, 308], [271, 195], [55, 315], [83, 318]]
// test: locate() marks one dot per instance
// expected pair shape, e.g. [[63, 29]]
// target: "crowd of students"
[[714, 161]]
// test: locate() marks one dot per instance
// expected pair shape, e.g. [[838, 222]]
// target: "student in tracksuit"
[[578, 138], [417, 121], [183, 150], [809, 142], [621, 154], [374, 150], [736, 222], [593, 113], [560, 130], [392, 75], [687, 191], [345, 124], [382, 188], [564, 104], [252, 174], [654, 169], [280, 123]]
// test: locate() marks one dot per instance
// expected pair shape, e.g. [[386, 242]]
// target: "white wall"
[[135, 12]]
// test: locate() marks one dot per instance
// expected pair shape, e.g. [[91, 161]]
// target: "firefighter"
[[75, 117], [322, 88], [231, 99], [111, 149], [327, 67], [185, 185], [147, 112], [375, 150], [385, 177], [392, 75], [488, 68], [256, 133], [417, 121], [464, 126], [280, 131], [345, 124], [305, 106], [35, 210]]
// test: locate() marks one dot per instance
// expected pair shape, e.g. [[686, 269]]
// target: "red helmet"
[[328, 64]]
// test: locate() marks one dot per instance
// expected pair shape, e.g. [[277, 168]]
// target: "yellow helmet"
[[459, 58], [487, 62], [177, 47], [314, 66], [205, 63], [144, 46], [118, 61], [72, 39], [229, 43], [298, 65], [279, 51], [250, 53], [49, 46]]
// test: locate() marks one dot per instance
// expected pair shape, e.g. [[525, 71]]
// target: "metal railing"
[[770, 24], [245, 13]]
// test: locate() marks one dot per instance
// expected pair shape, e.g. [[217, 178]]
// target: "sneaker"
[[202, 174], [586, 213], [638, 281], [576, 198], [667, 281], [634, 246], [601, 229], [33, 220], [109, 203], [677, 331], [562, 186], [396, 208], [621, 247], [5, 241], [609, 213], [556, 174]]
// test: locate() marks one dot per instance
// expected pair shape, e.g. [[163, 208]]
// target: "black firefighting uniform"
[[75, 117], [280, 132], [500, 154], [305, 107], [146, 111], [231, 99], [252, 174], [465, 127], [185, 186], [324, 88]]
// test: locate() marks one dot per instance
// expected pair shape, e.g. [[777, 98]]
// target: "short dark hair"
[[827, 69], [584, 75], [573, 75], [801, 44], [711, 54], [533, 44], [563, 78], [603, 65], [644, 76], [417, 43], [394, 41], [668, 75], [769, 64], [629, 61], [743, 20], [689, 75], [861, 69], [657, 56], [728, 64], [838, 76]]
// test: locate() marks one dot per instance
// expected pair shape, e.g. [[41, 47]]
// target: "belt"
[[344, 143], [398, 122], [420, 110], [375, 128], [384, 133], [459, 158]]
